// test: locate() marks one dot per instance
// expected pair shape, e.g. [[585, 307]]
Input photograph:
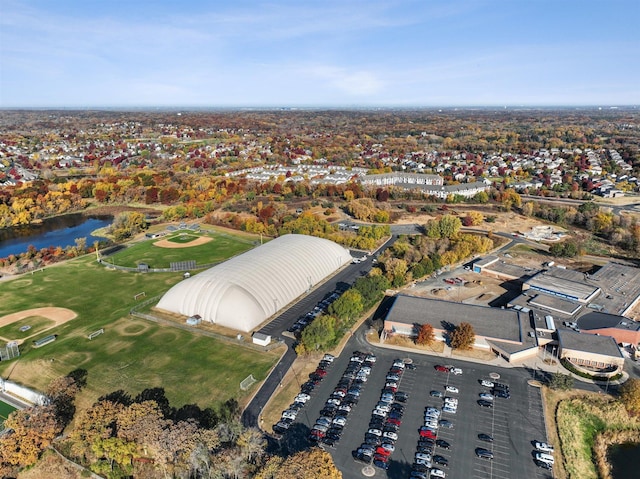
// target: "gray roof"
[[499, 324], [589, 343], [555, 304], [597, 320], [563, 282], [620, 284]]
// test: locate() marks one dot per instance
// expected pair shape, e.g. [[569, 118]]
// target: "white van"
[[544, 457]]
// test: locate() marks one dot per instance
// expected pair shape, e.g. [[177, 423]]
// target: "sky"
[[297, 53]]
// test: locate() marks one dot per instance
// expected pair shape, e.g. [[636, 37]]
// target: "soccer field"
[[132, 354]]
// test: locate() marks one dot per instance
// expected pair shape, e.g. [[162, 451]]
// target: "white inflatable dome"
[[244, 291]]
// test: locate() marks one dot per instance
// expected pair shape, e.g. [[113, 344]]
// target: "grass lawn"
[[132, 354], [182, 238], [12, 331], [222, 247], [5, 410]]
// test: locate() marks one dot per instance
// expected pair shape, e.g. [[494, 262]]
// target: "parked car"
[[425, 431], [441, 460], [484, 453], [443, 444], [441, 368], [485, 437], [485, 403], [401, 396], [451, 389], [500, 393], [486, 383], [456, 371], [486, 396], [435, 472], [445, 423], [544, 457], [544, 447], [436, 394]]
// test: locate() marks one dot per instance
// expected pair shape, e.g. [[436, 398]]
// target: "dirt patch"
[[171, 245], [474, 353], [57, 315]]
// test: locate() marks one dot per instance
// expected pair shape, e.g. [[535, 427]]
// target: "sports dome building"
[[244, 291]]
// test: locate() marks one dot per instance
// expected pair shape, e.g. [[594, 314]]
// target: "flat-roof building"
[[594, 354]]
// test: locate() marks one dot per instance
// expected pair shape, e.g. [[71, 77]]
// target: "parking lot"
[[514, 423]]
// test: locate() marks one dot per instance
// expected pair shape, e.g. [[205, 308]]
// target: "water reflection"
[[59, 231]]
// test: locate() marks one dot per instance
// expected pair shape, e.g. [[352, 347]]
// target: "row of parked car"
[[544, 455], [386, 418], [289, 415], [317, 310], [428, 464], [498, 390], [333, 416]]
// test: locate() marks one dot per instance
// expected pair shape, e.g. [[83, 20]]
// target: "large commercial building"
[[505, 332], [246, 290]]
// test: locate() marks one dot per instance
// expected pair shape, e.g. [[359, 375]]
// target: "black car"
[[500, 386], [544, 465], [443, 444], [410, 366], [436, 394], [485, 437], [484, 453], [361, 457], [402, 396], [441, 460], [484, 403], [419, 467], [445, 423], [499, 393], [426, 449], [381, 464]]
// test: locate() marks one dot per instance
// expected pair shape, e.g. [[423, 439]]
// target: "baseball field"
[[131, 354]]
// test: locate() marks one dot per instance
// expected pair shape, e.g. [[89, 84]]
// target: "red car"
[[441, 368], [380, 457], [427, 432], [321, 372], [395, 421], [382, 451]]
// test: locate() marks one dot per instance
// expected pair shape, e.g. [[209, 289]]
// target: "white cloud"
[[359, 82]]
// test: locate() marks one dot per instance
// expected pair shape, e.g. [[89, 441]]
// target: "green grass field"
[[37, 323], [183, 238], [132, 354], [5, 410], [222, 247]]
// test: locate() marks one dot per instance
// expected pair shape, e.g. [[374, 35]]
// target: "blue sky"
[[118, 53]]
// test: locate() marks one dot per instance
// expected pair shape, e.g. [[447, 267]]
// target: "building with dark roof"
[[505, 332], [623, 330], [591, 353]]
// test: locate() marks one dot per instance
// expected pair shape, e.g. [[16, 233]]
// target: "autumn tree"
[[426, 335], [310, 464], [462, 337], [630, 396], [348, 305], [31, 430]]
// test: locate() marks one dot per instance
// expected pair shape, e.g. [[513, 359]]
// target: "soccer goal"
[[247, 382], [136, 297]]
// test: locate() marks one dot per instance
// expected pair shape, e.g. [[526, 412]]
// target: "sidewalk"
[[498, 361]]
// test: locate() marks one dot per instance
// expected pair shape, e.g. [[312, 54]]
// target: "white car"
[[435, 472], [290, 414], [544, 447], [423, 462], [432, 410], [328, 357], [390, 435], [375, 432], [302, 397], [383, 406], [423, 456], [379, 412], [339, 421], [371, 358], [451, 401], [398, 364], [365, 370], [486, 396], [543, 457], [456, 371], [450, 409], [487, 384], [451, 389]]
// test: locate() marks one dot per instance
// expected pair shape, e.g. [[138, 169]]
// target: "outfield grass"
[[132, 354], [37, 323], [222, 247]]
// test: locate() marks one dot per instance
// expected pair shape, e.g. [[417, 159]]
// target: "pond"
[[625, 460], [59, 231]]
